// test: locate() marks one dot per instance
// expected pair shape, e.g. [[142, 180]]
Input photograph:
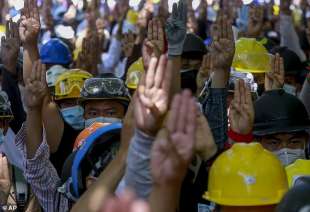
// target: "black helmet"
[[194, 47], [279, 112], [109, 88]]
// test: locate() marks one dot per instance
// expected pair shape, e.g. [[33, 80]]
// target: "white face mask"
[[290, 89], [101, 119], [288, 156]]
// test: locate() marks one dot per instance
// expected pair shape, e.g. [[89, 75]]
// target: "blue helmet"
[[55, 52], [90, 159]]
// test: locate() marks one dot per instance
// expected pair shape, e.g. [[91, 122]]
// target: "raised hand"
[[222, 51], [275, 78], [174, 146], [29, 27], [241, 113], [89, 57], [176, 28], [5, 180], [36, 87], [223, 46], [10, 44], [128, 43], [152, 99], [255, 24], [155, 37]]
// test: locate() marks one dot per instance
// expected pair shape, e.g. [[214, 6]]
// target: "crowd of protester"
[[155, 105]]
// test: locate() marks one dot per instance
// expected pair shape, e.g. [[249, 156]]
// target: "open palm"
[[152, 99], [29, 27], [174, 145], [241, 114]]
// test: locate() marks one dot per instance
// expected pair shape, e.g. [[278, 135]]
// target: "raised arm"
[[150, 105], [38, 171], [241, 113], [214, 103], [172, 153], [29, 30], [10, 47], [176, 34], [36, 89]]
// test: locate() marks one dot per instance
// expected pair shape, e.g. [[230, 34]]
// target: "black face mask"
[[188, 80]]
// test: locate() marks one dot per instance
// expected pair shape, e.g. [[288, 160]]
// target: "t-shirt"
[[65, 147]]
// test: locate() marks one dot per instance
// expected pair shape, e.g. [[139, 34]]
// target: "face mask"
[[188, 79], [288, 156], [74, 117], [101, 119], [290, 89]]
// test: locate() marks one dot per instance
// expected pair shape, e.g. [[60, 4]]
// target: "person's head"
[[246, 178], [6, 114], [294, 70], [68, 88], [104, 100], [280, 125], [192, 56], [84, 165], [55, 52]]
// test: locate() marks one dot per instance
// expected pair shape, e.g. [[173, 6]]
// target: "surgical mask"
[[74, 117], [290, 89], [101, 119], [288, 156]]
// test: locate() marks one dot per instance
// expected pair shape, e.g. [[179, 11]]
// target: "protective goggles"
[[105, 88], [66, 86]]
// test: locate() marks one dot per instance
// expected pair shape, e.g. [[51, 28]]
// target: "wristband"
[[240, 138]]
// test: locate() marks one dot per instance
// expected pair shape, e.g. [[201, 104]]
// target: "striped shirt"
[[41, 175]]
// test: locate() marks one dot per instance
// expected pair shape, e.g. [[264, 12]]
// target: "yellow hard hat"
[[132, 17], [69, 84], [2, 29], [134, 74], [298, 168], [246, 175], [251, 56]]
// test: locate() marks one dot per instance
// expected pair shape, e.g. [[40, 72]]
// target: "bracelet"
[[240, 138]]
